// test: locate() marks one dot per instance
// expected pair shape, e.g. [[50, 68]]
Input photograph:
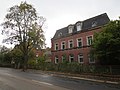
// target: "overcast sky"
[[61, 13]]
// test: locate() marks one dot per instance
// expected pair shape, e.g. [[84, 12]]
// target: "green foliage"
[[75, 67], [64, 59], [106, 44], [7, 58], [32, 62], [41, 60], [5, 55], [23, 26], [17, 55]]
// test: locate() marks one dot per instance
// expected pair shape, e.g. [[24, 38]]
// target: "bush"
[[73, 67]]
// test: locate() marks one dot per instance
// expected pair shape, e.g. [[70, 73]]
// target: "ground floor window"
[[71, 58], [80, 58], [91, 58], [56, 59], [63, 58]]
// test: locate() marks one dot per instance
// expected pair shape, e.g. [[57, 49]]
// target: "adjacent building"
[[72, 43], [47, 54]]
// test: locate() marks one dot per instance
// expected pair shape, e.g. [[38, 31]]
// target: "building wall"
[[75, 51]]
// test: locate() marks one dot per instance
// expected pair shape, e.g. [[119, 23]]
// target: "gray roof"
[[99, 20]]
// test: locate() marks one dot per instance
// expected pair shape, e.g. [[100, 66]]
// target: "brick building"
[[72, 43]]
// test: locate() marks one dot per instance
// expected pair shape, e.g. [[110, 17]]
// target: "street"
[[12, 79]]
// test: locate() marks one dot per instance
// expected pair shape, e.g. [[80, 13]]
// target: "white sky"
[[60, 13]]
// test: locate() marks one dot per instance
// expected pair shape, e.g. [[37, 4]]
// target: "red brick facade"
[[74, 44], [85, 50]]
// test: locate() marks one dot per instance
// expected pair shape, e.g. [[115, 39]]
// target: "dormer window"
[[60, 34], [70, 28], [94, 24], [79, 26]]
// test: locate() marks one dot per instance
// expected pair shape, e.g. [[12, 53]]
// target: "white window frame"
[[81, 42], [56, 58], [89, 58], [87, 40], [79, 26], [70, 29], [69, 43], [37, 55], [63, 44], [63, 58], [60, 34], [70, 57], [80, 57], [94, 24], [55, 46]]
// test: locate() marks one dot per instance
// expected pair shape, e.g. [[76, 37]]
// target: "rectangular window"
[[71, 58], [91, 59], [71, 44], [70, 30], [80, 58], [56, 60], [56, 46], [79, 42], [89, 40], [63, 45], [79, 26], [63, 58]]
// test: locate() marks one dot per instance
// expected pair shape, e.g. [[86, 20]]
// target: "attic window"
[[60, 34], [79, 26], [94, 24], [70, 28]]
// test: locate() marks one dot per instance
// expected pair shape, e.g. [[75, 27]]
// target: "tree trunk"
[[18, 66]]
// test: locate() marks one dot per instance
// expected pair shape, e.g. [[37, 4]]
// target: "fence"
[[78, 68]]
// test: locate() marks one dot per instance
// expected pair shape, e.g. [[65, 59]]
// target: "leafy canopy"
[[106, 44], [22, 24], [23, 27]]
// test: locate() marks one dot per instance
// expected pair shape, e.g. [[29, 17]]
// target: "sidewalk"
[[94, 78]]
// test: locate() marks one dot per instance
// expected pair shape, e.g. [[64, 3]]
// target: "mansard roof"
[[87, 25]]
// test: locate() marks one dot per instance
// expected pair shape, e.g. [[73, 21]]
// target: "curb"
[[74, 77], [88, 79]]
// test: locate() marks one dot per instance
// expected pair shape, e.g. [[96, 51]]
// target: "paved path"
[[11, 79]]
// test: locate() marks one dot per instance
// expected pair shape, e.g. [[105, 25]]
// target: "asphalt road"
[[11, 79]]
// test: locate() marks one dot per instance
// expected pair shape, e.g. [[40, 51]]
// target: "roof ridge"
[[95, 16]]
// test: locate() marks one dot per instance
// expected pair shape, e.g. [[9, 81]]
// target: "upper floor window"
[[70, 28], [56, 46], [80, 58], [79, 26], [71, 58], [70, 43], [91, 58], [63, 45], [89, 40], [56, 59], [79, 42]]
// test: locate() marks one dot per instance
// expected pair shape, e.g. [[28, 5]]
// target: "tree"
[[17, 57], [23, 26], [106, 44], [4, 55]]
